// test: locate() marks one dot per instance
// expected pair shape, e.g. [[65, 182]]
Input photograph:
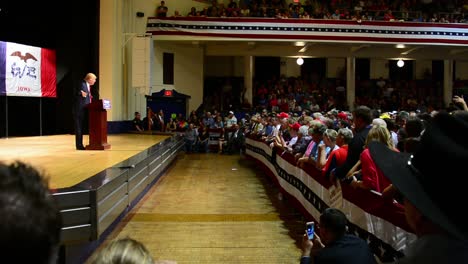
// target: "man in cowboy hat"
[[432, 184]]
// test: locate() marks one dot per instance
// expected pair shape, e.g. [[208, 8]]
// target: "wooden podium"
[[97, 126]]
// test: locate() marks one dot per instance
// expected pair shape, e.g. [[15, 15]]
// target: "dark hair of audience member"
[[364, 113], [414, 126], [411, 144], [391, 126], [375, 113], [334, 221], [30, 222], [344, 124]]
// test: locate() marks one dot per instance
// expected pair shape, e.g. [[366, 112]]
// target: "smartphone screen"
[[310, 229]]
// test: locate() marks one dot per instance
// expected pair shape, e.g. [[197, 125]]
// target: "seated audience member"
[[334, 245], [275, 128], [256, 125], [30, 221], [231, 119], [218, 123], [431, 202], [203, 139], [137, 122], [190, 137], [125, 251], [369, 177], [208, 120], [172, 126]]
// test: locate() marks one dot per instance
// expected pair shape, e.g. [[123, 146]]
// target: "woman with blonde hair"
[[123, 251], [369, 177]]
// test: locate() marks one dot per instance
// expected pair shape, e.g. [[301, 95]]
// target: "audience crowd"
[[450, 11]]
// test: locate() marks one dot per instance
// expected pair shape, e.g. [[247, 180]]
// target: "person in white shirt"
[[231, 119]]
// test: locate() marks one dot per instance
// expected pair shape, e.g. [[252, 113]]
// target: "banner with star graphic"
[[344, 31]]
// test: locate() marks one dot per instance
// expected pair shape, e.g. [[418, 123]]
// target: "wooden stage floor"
[[57, 158]]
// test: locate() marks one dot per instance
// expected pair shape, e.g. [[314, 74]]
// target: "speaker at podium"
[[97, 110]]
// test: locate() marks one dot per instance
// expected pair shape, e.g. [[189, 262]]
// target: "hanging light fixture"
[[400, 63], [300, 61]]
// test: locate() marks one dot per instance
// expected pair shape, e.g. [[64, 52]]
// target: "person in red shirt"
[[369, 177], [338, 156]]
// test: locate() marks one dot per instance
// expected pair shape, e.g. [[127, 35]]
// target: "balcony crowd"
[[450, 11]]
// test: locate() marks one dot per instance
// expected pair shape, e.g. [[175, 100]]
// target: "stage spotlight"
[[400, 63], [300, 61]]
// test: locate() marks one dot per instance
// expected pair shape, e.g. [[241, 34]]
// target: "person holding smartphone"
[[460, 101], [334, 245]]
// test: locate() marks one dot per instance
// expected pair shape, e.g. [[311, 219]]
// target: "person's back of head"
[[375, 113], [30, 221], [414, 127], [381, 134], [123, 251], [390, 124], [364, 114], [334, 222], [346, 134]]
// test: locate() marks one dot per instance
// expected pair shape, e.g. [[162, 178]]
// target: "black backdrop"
[[71, 28]]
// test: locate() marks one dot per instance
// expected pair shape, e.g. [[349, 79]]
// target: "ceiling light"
[[400, 46], [400, 63], [300, 61], [299, 43]]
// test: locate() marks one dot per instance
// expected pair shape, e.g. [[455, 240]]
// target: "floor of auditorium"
[[213, 208]]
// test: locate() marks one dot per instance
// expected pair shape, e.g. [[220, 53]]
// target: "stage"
[[63, 164], [94, 189]]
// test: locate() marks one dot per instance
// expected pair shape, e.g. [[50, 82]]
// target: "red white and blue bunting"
[[312, 30]]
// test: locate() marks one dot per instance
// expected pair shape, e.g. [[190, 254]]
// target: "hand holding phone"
[[310, 230]]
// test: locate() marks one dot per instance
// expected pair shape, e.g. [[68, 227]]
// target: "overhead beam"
[[410, 50], [357, 48], [457, 51]]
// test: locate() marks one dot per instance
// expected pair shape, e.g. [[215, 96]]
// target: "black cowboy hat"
[[434, 178]]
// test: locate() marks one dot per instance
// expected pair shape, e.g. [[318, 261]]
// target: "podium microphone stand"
[[98, 125]]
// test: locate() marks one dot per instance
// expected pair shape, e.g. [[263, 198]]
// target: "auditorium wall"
[[188, 70], [289, 67], [336, 67], [379, 68], [422, 67], [460, 70], [224, 66]]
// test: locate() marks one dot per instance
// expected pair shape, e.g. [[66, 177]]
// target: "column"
[[350, 81], [248, 78], [110, 57], [448, 82]]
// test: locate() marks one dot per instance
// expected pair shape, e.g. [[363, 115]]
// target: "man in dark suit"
[[84, 95], [236, 140]]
